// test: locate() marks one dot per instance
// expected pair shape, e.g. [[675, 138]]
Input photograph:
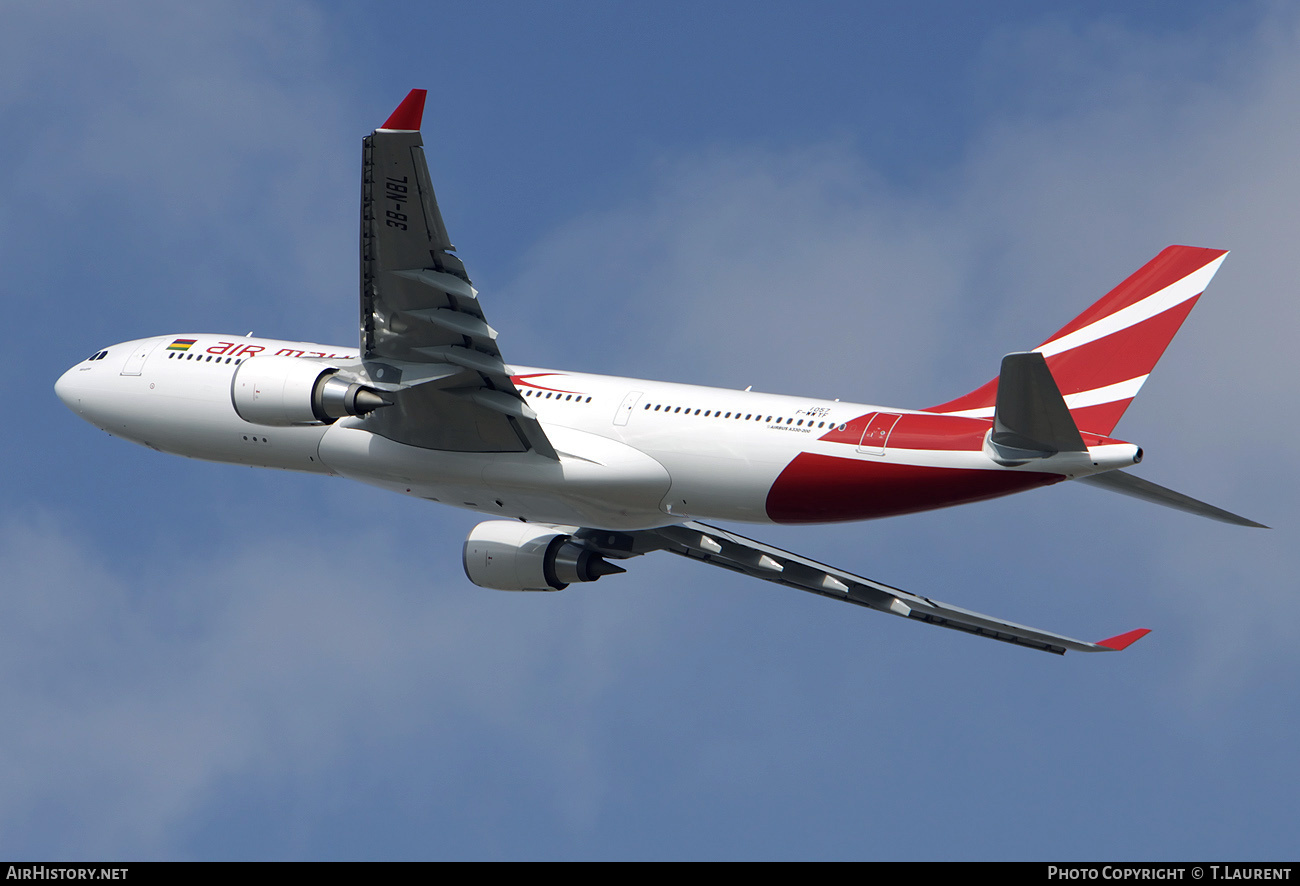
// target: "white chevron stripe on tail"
[[1157, 303], [1124, 390]]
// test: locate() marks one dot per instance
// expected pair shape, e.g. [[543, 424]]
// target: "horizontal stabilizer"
[[1031, 419], [1127, 484]]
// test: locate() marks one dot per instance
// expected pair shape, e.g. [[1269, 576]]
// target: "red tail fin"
[[1101, 358]]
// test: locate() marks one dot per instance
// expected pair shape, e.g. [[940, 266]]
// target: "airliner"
[[580, 473]]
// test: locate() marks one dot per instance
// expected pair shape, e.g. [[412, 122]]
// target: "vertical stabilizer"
[[1101, 358]]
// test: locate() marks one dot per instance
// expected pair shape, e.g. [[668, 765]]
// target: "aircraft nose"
[[68, 389]]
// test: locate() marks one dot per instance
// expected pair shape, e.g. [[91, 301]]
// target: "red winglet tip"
[[1124, 641], [409, 113]]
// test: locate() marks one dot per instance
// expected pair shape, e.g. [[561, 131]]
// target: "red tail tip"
[[1124, 641], [409, 113]]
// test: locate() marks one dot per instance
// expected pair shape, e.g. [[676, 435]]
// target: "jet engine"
[[511, 556], [287, 391]]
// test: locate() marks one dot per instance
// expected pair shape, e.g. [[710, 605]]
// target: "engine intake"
[[288, 391], [510, 556]]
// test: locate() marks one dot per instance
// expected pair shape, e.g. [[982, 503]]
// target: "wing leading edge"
[[424, 339], [719, 547]]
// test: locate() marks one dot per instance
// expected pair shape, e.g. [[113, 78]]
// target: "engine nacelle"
[[512, 556], [286, 391]]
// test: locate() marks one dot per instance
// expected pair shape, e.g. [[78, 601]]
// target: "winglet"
[[409, 113], [1124, 641]]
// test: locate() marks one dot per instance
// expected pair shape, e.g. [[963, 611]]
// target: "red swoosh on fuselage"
[[522, 380], [818, 488]]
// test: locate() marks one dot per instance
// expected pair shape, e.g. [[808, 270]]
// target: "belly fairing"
[[597, 482]]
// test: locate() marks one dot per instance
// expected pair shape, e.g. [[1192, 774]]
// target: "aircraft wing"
[[718, 547], [424, 340]]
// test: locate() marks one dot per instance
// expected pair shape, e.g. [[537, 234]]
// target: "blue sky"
[[206, 661]]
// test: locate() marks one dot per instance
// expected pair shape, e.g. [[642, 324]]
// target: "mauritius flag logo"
[[181, 344]]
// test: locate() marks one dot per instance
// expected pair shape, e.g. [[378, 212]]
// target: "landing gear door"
[[625, 408], [876, 434]]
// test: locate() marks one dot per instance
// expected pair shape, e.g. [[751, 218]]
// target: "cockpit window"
[[98, 355]]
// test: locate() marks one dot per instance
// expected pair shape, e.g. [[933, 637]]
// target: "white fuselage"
[[633, 453]]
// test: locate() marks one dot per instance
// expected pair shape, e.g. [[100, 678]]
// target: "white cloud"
[[201, 131], [140, 693]]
